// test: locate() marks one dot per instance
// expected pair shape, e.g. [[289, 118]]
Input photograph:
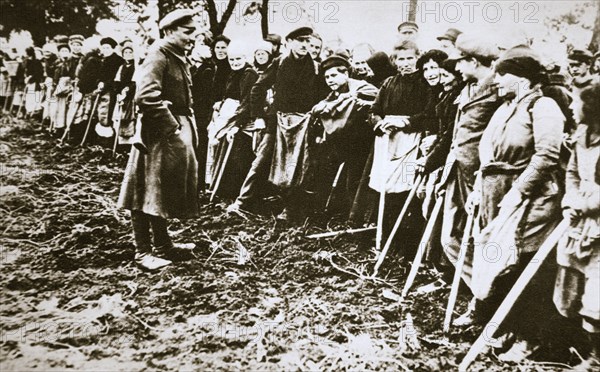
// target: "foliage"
[[46, 18]]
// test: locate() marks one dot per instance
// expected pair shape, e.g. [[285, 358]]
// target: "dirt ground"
[[255, 295]]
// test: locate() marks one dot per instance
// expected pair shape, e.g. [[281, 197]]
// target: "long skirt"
[[234, 171], [33, 98]]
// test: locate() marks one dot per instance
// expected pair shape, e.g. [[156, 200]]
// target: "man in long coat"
[[162, 182], [476, 104]]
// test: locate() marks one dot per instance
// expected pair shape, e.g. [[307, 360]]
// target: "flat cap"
[[581, 55], [273, 39], [471, 46], [408, 24], [127, 41], [450, 34], [76, 39], [108, 40], [299, 32], [63, 46], [61, 39], [335, 60], [178, 17]]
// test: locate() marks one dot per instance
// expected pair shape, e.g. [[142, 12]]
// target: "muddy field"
[[255, 295]]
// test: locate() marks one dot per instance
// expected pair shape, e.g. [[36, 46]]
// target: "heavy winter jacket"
[[163, 182]]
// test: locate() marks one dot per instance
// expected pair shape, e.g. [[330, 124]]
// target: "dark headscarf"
[[521, 61], [382, 68]]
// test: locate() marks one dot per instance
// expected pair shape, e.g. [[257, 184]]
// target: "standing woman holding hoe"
[[162, 182], [519, 153]]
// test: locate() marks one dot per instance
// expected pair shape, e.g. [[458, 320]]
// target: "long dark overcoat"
[[164, 181]]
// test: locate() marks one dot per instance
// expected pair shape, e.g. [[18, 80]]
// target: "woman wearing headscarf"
[[222, 67], [382, 68], [436, 152], [578, 255], [263, 56], [520, 191], [203, 70], [365, 202], [238, 131]]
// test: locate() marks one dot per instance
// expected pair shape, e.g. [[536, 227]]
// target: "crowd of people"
[[497, 143]]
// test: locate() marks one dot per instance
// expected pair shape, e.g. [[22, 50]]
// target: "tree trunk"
[[595, 43], [264, 18], [412, 10], [217, 27]]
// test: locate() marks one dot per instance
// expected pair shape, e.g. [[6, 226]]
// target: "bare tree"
[[218, 26], [595, 43], [412, 10], [264, 18]]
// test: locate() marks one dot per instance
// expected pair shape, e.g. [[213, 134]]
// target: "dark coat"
[[89, 73], [50, 65], [124, 78], [445, 116], [473, 117], [108, 70], [297, 87], [34, 70], [163, 182], [402, 95], [219, 81], [239, 87], [382, 68], [202, 78], [65, 68]]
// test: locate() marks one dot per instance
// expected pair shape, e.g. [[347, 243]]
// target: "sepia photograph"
[[295, 185]]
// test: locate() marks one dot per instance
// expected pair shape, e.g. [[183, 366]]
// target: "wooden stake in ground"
[[390, 238], [222, 169], [514, 294], [70, 122], [22, 104], [380, 211], [89, 123], [423, 244], [462, 255], [334, 185], [333, 234], [117, 124]]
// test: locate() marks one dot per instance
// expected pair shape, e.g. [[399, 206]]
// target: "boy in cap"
[[448, 41], [75, 43], [343, 115], [407, 31], [276, 42], [298, 87], [161, 181], [580, 62]]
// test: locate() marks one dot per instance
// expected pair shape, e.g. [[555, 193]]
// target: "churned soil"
[[254, 295]]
